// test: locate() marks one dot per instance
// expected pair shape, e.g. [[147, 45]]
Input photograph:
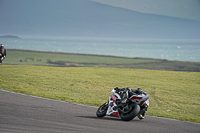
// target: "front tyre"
[[101, 112], [132, 114]]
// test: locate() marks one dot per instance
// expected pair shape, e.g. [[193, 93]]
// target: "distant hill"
[[84, 18], [10, 36]]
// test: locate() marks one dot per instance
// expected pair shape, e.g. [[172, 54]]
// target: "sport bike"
[[125, 103]]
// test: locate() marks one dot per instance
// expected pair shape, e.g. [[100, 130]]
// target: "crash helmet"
[[1, 48], [139, 91]]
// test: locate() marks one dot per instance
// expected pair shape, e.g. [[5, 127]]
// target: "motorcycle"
[[2, 53], [125, 103]]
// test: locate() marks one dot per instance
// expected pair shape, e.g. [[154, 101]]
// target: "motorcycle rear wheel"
[[132, 114], [101, 112]]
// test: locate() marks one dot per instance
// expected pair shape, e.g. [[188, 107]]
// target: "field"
[[173, 94], [22, 57]]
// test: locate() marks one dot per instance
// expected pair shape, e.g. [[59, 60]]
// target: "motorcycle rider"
[[131, 92], [125, 103], [2, 53]]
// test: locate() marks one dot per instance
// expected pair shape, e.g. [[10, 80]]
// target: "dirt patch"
[[74, 65]]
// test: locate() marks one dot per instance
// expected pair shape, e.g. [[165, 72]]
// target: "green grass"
[[14, 57], [172, 94]]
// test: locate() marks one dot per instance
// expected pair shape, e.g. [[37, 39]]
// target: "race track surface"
[[22, 113]]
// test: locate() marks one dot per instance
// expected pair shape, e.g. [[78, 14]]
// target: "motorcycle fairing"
[[111, 105], [139, 99]]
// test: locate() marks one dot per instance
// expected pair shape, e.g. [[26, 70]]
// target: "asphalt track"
[[22, 113]]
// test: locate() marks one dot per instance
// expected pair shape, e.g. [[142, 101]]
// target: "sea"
[[173, 50]]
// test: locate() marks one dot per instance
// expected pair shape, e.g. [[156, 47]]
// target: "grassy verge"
[[172, 94], [23, 57]]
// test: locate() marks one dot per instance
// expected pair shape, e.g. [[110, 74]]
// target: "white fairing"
[[112, 98], [147, 102], [1, 59]]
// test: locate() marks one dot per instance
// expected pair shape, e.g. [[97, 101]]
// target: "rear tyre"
[[132, 114], [101, 112]]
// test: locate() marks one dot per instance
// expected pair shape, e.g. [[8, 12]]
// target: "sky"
[[189, 9]]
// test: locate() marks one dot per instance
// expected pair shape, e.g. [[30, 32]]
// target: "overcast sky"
[[189, 9]]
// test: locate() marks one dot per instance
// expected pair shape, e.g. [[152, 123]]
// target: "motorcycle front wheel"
[[101, 112], [131, 114]]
